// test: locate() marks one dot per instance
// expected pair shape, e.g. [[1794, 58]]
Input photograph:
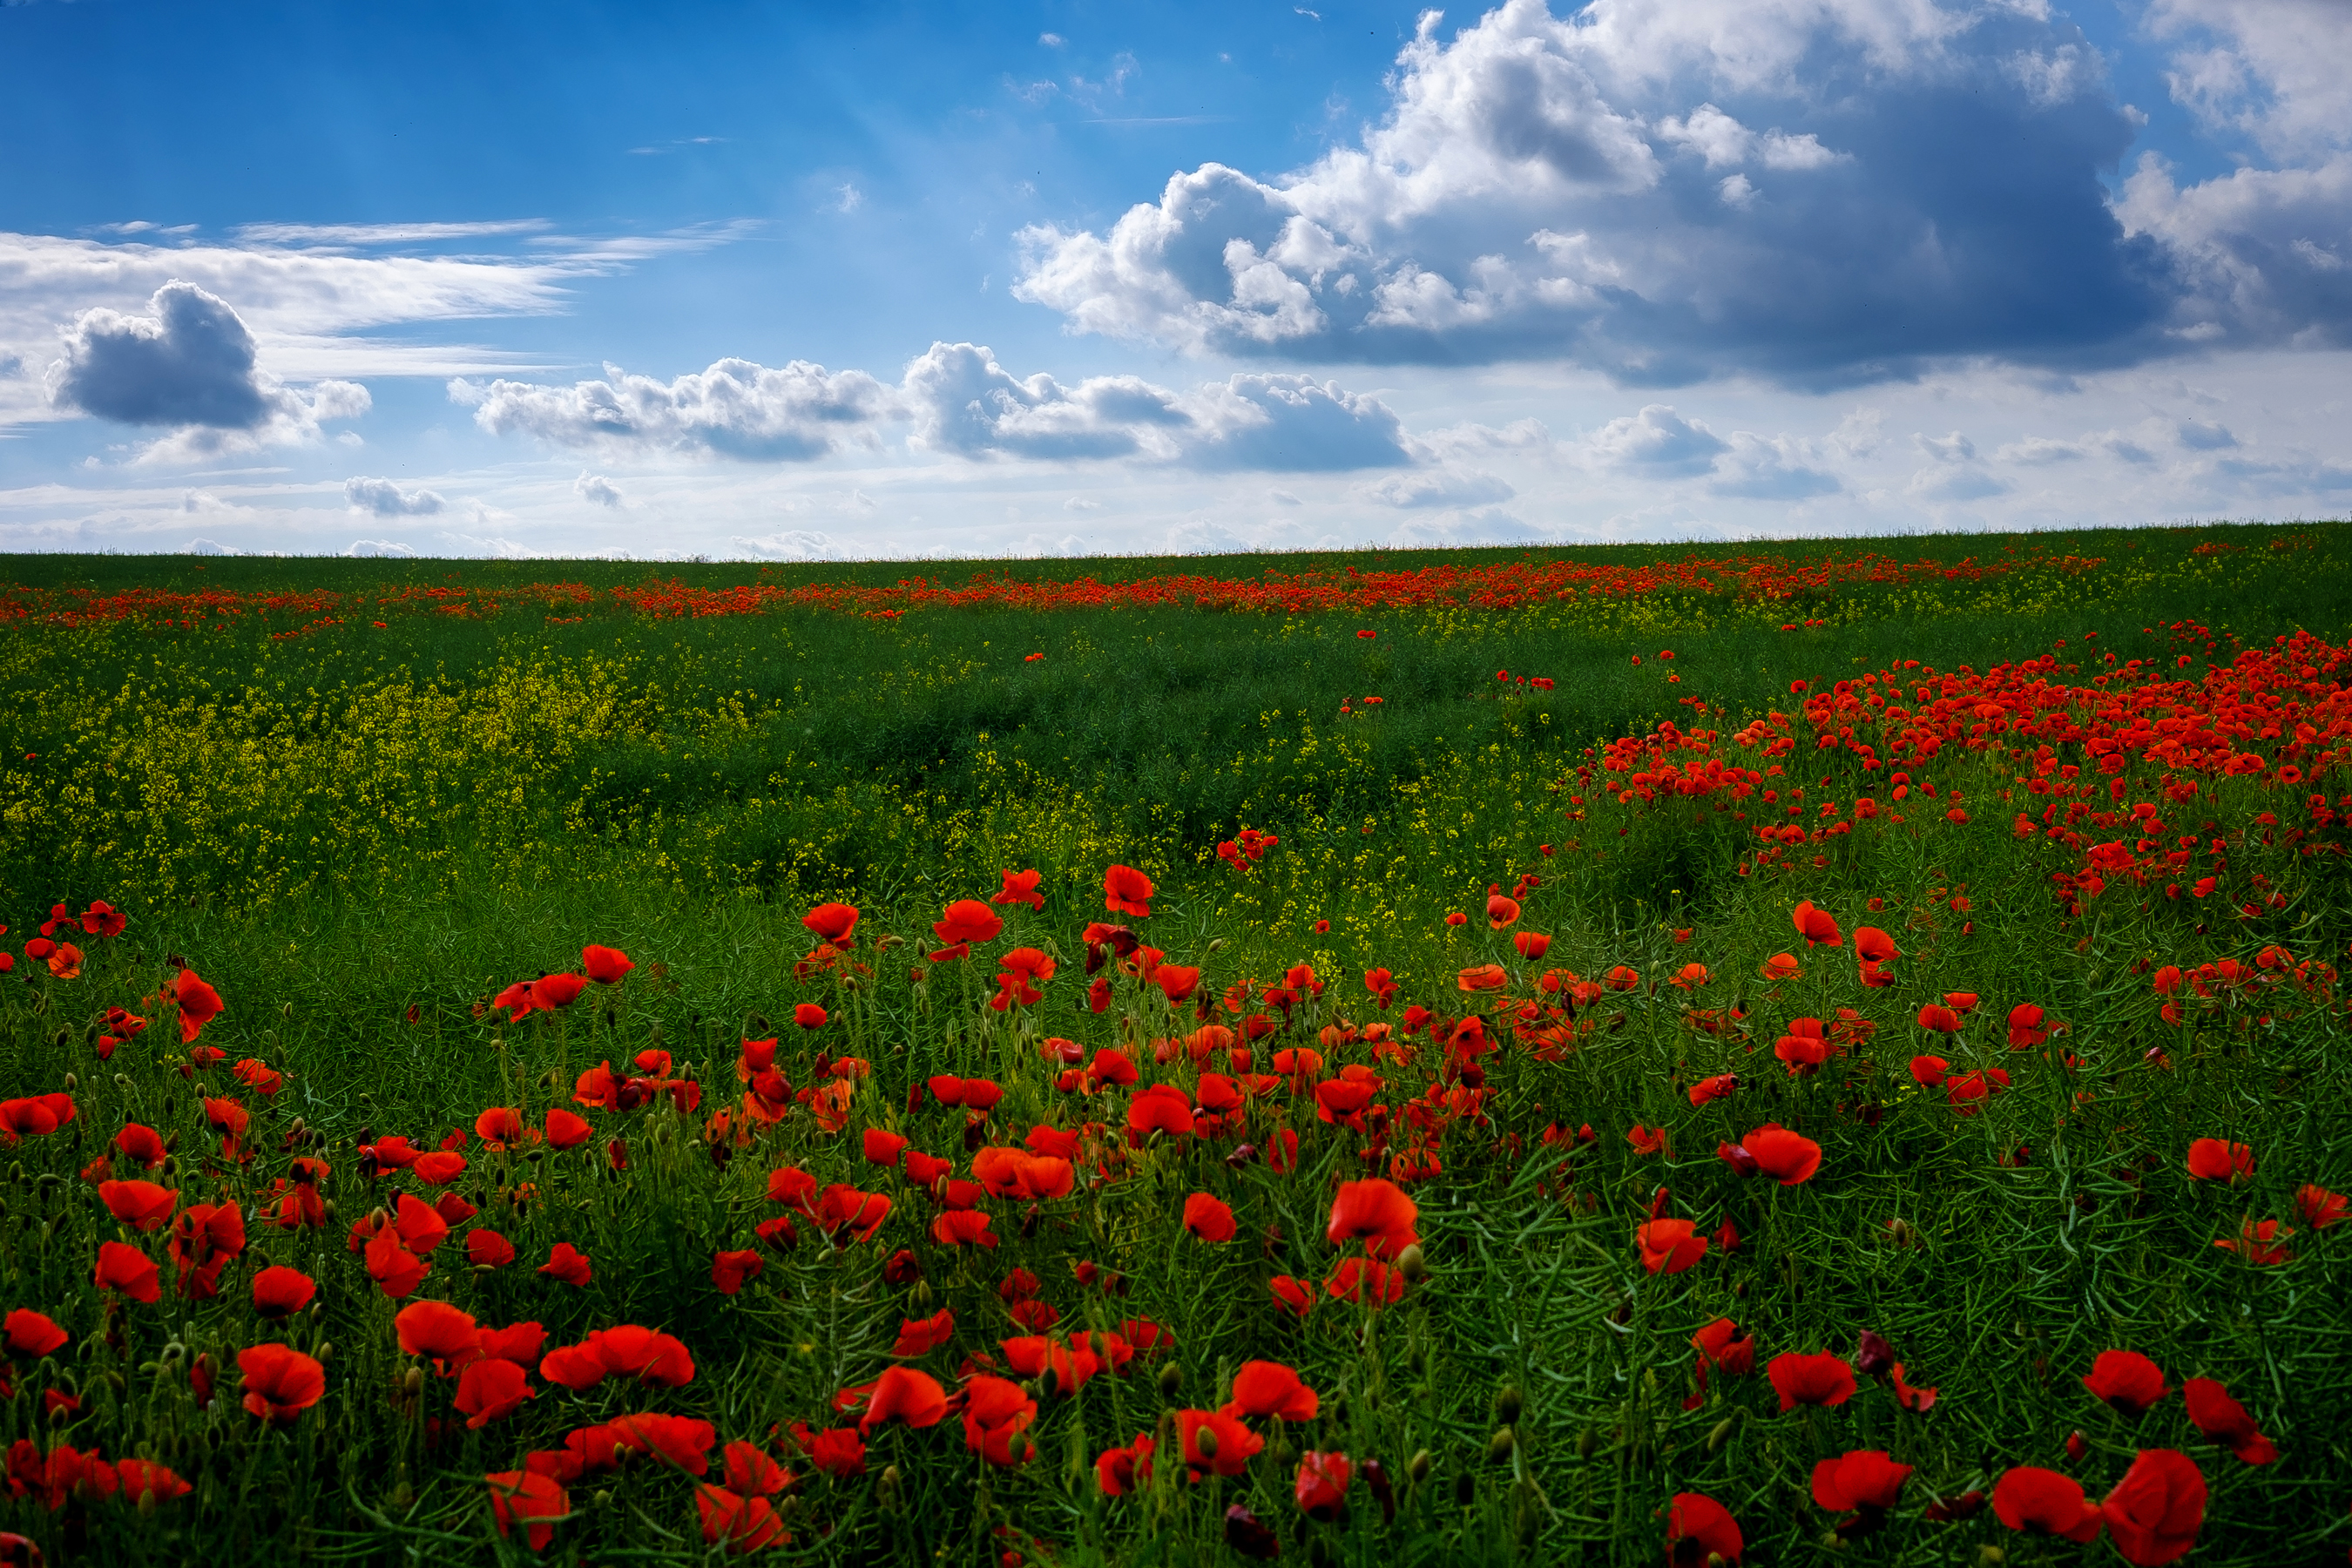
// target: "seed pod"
[[1172, 1378], [1205, 1440], [886, 1491], [1499, 1445], [1508, 1403], [414, 1383], [1722, 1432], [1586, 1441], [1413, 1264], [1416, 1469]]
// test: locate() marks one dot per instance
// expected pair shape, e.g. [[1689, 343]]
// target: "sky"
[[813, 282]]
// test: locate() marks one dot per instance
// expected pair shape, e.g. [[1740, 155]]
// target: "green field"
[[361, 799]]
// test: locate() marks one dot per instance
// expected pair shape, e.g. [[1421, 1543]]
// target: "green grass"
[[340, 826]]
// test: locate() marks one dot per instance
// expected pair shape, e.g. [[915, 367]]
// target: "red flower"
[[1208, 1217], [1162, 1108], [439, 1168], [1376, 1213], [1293, 1296], [1786, 1157], [1699, 1528], [676, 1440], [1501, 911], [1268, 1388], [839, 1452], [1930, 1072], [881, 1148], [745, 1523], [728, 1270], [567, 1264], [1721, 1086], [1360, 1280], [1176, 981], [553, 991], [565, 1131], [280, 1291], [1322, 1485], [969, 921], [1230, 1445], [534, 1499], [199, 1004], [1127, 890], [489, 1389], [438, 1330], [1668, 1245], [832, 922], [2218, 1160], [1860, 1479], [1531, 944], [904, 1395], [280, 1384], [31, 1335], [1020, 887], [396, 1270], [2225, 1421], [143, 1144], [808, 1016], [997, 1414], [142, 1206], [1118, 1471], [2044, 1502], [606, 965], [1648, 1139], [921, 1336], [2259, 1241], [2127, 1380], [1820, 1379], [2025, 1027], [128, 1270], [2319, 1207], [2157, 1510], [1817, 927], [1941, 1019], [487, 1248]]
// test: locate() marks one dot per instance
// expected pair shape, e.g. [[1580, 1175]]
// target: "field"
[[1600, 1055]]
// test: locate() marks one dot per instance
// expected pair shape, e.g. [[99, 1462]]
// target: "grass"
[[360, 833]]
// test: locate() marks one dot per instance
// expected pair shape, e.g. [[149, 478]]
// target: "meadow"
[[1778, 1053]]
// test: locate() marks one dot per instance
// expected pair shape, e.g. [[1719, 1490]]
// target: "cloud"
[[385, 499], [597, 490], [1817, 191], [792, 544], [1657, 443], [1758, 468], [378, 547], [1439, 487], [734, 410], [1953, 472], [1491, 525]]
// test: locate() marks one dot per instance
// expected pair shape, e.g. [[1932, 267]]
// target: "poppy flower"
[[1361, 1280], [749, 1471], [567, 1264], [1531, 944], [1024, 970], [832, 922], [280, 1384], [2025, 1027], [839, 1452], [847, 1214], [1930, 1072], [1293, 1296], [534, 1501], [439, 1168], [1376, 1213], [280, 1291], [1719, 1087], [997, 1414], [437, 1330], [1817, 926], [1215, 1442], [745, 1523], [605, 965], [1322, 1485], [144, 1479], [198, 1003], [677, 1441], [2157, 1510], [880, 1147], [1699, 1530], [551, 992], [1208, 1217], [2262, 1241], [142, 1206], [1864, 1480], [489, 1389], [1624, 977], [728, 1270], [565, 1131], [128, 1271], [486, 1248], [1127, 890], [396, 1270], [1648, 1139], [1160, 1109], [2319, 1207], [1820, 1379], [2044, 1503], [1786, 1157], [1501, 911], [420, 1225], [1941, 1019], [1668, 1245], [2225, 1421], [517, 1342], [968, 921], [2126, 1380], [921, 1336], [1268, 1388], [1118, 1471], [142, 1143], [1690, 976], [2218, 1160], [1721, 1345], [1782, 966], [1177, 981], [902, 1394], [30, 1335]]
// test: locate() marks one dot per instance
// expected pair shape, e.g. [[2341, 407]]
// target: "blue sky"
[[783, 282]]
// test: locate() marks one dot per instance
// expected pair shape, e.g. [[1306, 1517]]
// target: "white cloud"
[[792, 544], [386, 498], [1953, 472], [734, 410], [1777, 467], [1439, 487], [1657, 443], [597, 490], [378, 547]]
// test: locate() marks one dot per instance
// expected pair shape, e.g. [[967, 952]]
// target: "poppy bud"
[[1586, 1441], [72, 1082], [921, 1294], [1876, 1355], [414, 1383], [1722, 1432], [1172, 1378], [886, 1491], [2076, 1446], [1413, 1264], [1376, 1476], [1416, 1469], [1499, 1445], [1242, 1154], [1991, 1556], [1508, 1403], [1205, 1440]]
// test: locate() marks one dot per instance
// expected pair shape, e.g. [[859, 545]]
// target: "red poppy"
[[2262, 1241], [1699, 1530], [1721, 1345], [1782, 966], [1668, 1245], [1501, 911], [728, 1270], [839, 1452], [1229, 1447], [567, 1264], [553, 991], [142, 1143], [440, 1331], [1531, 944], [1787, 1157], [2157, 1510], [1941, 1019], [1322, 1486], [1178, 982], [280, 1291], [750, 1471], [30, 1335], [1020, 887], [808, 1016], [677, 1441], [1382, 985], [142, 1206], [832, 922], [565, 1131], [1118, 1471], [486, 1248], [880, 1147], [1160, 1109], [1293, 1296], [904, 1395], [517, 1342], [1930, 1072], [969, 921], [1648, 1139], [421, 1227], [1719, 1087], [1127, 890], [606, 965], [534, 1501], [129, 1271], [2025, 1027], [1860, 1479], [489, 1389], [2044, 1502], [2319, 1207], [144, 1479], [498, 1126], [1376, 1212], [396, 1270], [1361, 1280], [1268, 1388], [1820, 1379], [2225, 1421], [997, 1414], [280, 1384], [198, 1003], [921, 1336], [745, 1523], [2127, 1380], [2218, 1160], [439, 1168], [1817, 926], [1690, 976], [845, 1214], [1208, 1217]]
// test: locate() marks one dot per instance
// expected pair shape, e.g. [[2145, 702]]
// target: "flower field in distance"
[[1776, 1054]]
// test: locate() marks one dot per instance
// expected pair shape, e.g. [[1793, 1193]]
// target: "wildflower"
[[1020, 887], [30, 1335], [1719, 1087], [677, 1441], [128, 1271], [2259, 1241], [1785, 1156], [1267, 1388], [198, 1003], [2225, 1421], [1127, 890], [534, 1501], [1781, 966], [142, 1206], [489, 1389], [1501, 913], [1820, 1379], [2127, 1380], [2044, 1503], [1699, 1530], [808, 1016], [1941, 1019], [1322, 1485], [2319, 1207], [745, 1523], [2025, 1027], [1208, 1218], [1648, 1139], [729, 1270], [566, 1265], [997, 1414], [605, 965], [2157, 1510], [1215, 1442], [1862, 1479], [902, 1394], [486, 1248], [280, 1384], [2217, 1159], [277, 1291], [1668, 1245], [968, 921], [1817, 926], [1375, 1212], [832, 923]]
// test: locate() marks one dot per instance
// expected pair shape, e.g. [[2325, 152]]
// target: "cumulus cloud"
[[1953, 472], [1437, 487], [597, 490], [734, 410], [792, 544], [1818, 190], [1760, 467], [386, 498], [1657, 443], [383, 548]]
